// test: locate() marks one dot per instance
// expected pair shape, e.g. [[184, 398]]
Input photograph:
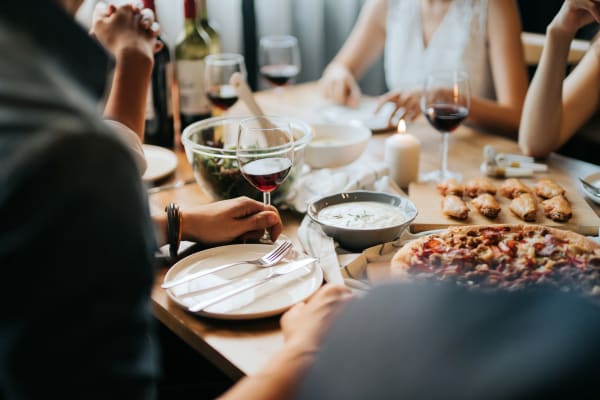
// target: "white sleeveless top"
[[459, 42]]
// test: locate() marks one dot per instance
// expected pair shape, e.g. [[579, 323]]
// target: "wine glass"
[[445, 102], [218, 69], [265, 154], [279, 59]]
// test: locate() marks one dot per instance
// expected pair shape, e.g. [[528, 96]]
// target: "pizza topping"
[[505, 258]]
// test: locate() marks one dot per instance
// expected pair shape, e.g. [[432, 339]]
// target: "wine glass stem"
[[266, 237], [444, 168], [279, 92]]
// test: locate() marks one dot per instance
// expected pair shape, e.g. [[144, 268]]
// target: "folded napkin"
[[339, 265], [317, 244], [360, 175]]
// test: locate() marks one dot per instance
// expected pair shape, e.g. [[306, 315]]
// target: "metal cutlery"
[[273, 273], [593, 189], [267, 260], [175, 185]]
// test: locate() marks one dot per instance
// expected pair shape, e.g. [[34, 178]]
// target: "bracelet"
[[174, 228]]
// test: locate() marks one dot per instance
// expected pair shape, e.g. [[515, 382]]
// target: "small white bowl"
[[358, 239], [336, 145]]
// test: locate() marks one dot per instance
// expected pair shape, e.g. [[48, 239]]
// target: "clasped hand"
[[126, 29]]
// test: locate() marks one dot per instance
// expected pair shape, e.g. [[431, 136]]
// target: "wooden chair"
[[533, 43]]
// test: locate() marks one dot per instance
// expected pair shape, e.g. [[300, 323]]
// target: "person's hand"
[[126, 29], [407, 104], [339, 85], [575, 14], [229, 220], [304, 324]]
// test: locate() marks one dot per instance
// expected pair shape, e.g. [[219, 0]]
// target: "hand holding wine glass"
[[265, 154], [217, 74], [279, 59], [445, 103]]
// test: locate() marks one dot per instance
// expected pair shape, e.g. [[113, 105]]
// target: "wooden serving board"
[[429, 203]]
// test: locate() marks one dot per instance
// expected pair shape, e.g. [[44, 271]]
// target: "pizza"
[[503, 257]]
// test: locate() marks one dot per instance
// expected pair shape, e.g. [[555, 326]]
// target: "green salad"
[[217, 169]]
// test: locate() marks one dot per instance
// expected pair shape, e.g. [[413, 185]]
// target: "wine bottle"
[[204, 24], [159, 129], [190, 51]]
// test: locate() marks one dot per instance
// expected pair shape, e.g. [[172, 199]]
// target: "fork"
[[273, 273], [593, 189], [267, 260]]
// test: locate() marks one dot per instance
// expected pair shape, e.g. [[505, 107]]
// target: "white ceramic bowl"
[[335, 145], [360, 238]]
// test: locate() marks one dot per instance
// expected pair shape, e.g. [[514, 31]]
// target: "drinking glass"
[[218, 69], [265, 154], [445, 102], [279, 59]]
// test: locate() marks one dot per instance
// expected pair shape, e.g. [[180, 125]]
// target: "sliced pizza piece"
[[513, 187], [547, 189], [524, 207], [557, 208], [477, 186], [455, 207], [487, 205], [450, 186]]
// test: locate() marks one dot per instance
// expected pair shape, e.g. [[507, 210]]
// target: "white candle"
[[402, 156]]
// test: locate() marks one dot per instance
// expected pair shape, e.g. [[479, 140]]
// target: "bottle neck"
[[150, 4], [189, 8], [189, 26], [202, 10]]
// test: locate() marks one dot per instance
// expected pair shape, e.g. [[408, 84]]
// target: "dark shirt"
[[423, 342], [76, 238]]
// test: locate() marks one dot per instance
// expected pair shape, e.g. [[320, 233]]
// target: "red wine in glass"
[[223, 96], [445, 117], [265, 154], [445, 101], [268, 173], [279, 75]]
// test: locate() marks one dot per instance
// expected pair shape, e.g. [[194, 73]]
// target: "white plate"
[[161, 162], [594, 179], [365, 112], [266, 300]]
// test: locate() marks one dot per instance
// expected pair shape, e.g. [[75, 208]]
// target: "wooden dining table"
[[241, 348]]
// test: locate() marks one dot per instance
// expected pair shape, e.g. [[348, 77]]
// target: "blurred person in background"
[[481, 37], [557, 107]]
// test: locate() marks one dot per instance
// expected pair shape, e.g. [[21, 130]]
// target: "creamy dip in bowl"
[[362, 215], [362, 219]]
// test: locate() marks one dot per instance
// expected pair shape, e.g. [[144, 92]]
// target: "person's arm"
[[303, 327], [554, 110], [225, 221], [129, 34], [127, 99], [508, 71], [363, 46]]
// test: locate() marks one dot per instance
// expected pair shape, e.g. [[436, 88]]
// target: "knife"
[[170, 186], [274, 273]]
